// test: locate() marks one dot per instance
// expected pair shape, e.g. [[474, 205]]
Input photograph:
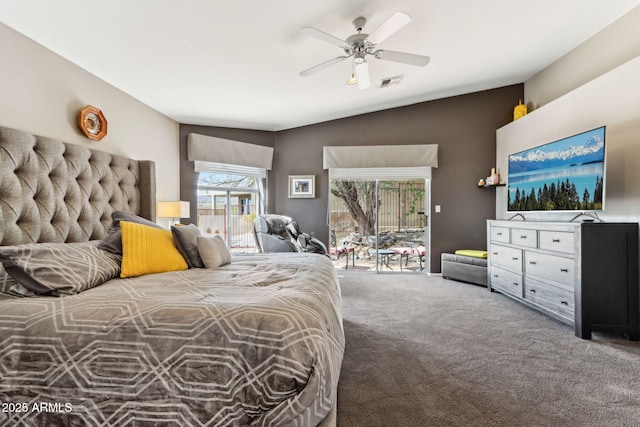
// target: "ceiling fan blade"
[[321, 35], [405, 58], [325, 64], [362, 74], [390, 26]]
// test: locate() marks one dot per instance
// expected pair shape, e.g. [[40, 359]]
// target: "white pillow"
[[213, 251]]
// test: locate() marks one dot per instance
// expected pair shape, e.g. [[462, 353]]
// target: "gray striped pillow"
[[58, 269]]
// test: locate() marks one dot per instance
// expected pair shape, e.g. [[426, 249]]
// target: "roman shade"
[[389, 174], [225, 169], [210, 149]]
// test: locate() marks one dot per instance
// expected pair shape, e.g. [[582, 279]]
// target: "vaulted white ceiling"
[[236, 63]]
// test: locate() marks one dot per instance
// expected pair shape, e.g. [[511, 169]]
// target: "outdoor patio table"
[[384, 255]]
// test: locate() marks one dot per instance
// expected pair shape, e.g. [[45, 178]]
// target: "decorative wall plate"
[[92, 123]]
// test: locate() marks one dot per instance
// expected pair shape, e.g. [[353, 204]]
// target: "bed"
[[258, 341]]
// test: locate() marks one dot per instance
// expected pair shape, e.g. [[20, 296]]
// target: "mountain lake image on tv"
[[564, 175]]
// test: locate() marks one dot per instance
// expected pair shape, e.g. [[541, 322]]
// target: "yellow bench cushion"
[[472, 253]]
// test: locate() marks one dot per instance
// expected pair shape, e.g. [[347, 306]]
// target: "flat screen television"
[[563, 175]]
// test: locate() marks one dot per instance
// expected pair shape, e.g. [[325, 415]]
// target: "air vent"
[[386, 82]]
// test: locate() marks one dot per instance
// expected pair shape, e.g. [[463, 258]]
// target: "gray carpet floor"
[[424, 351]]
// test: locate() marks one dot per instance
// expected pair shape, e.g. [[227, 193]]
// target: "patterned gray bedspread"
[[256, 342]]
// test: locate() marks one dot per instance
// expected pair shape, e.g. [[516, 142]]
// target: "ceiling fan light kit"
[[359, 45], [362, 74]]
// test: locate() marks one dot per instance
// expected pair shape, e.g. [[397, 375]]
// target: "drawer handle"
[[564, 303], [499, 234], [494, 253], [515, 283], [495, 275], [515, 258], [555, 240], [564, 270], [523, 237], [533, 291], [532, 262]]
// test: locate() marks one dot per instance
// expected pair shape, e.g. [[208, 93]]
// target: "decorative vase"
[[520, 110]]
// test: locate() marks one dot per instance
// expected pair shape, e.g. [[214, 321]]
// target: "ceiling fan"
[[360, 45]]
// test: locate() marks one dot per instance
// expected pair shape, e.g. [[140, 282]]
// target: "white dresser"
[[584, 274]]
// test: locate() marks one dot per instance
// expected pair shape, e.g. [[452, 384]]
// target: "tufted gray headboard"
[[51, 191]]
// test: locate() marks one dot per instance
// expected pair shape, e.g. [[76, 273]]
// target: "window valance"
[[225, 151], [380, 156]]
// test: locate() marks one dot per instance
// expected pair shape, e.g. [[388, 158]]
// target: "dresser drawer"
[[557, 300], [500, 234], [558, 269], [560, 241], [506, 281], [510, 258], [522, 237]]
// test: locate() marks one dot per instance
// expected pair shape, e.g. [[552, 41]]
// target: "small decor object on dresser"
[[302, 186], [92, 123]]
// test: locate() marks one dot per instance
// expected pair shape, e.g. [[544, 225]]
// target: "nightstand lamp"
[[173, 210]]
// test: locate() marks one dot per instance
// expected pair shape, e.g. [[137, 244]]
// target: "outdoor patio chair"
[[335, 251], [411, 251]]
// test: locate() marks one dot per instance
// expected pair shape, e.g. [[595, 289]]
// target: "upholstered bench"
[[471, 269]]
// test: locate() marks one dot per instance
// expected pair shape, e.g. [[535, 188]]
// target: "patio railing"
[[239, 234]]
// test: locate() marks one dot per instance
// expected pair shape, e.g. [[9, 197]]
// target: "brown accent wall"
[[464, 127]]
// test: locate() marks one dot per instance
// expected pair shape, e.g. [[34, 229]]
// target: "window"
[[231, 188], [228, 204]]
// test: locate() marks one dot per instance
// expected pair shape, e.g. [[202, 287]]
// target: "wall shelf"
[[492, 185]]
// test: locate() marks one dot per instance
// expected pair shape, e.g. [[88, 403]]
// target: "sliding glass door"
[[379, 224], [227, 206]]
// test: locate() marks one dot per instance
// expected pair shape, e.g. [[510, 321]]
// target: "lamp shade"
[[173, 210]]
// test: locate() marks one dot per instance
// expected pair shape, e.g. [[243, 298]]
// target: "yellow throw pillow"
[[147, 250]]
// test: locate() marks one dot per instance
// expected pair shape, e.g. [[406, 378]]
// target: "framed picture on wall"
[[302, 186]]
